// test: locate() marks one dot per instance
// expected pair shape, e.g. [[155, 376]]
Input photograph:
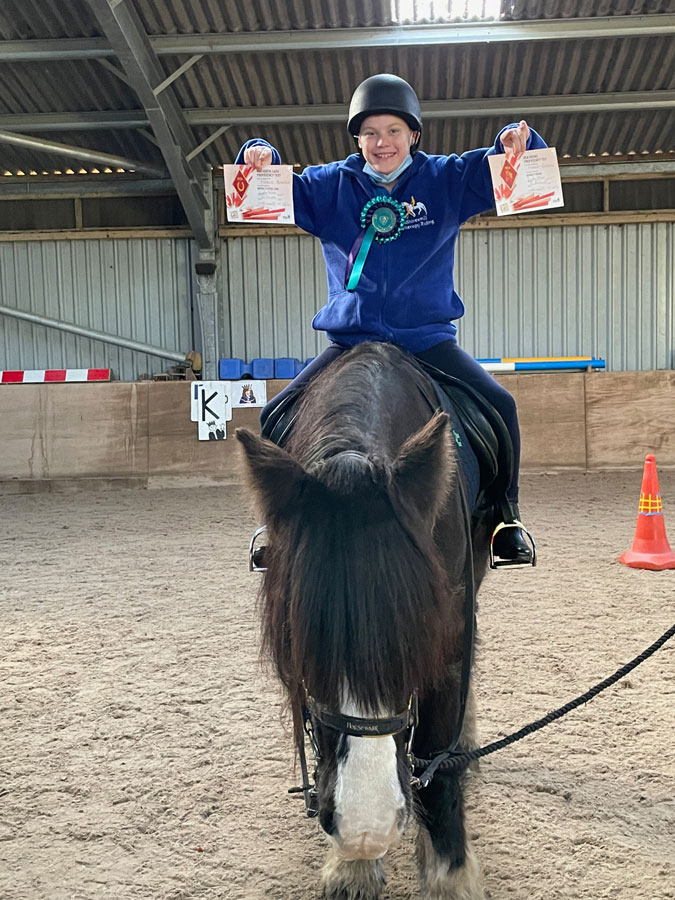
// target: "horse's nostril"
[[327, 820]]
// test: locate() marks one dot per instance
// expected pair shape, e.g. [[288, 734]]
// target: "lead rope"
[[449, 762]]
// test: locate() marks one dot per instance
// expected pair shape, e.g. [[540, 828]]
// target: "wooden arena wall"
[[135, 432]]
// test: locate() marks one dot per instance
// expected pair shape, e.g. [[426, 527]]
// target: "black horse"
[[364, 606]]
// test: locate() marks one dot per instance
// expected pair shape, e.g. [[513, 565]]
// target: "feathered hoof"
[[361, 879], [440, 881]]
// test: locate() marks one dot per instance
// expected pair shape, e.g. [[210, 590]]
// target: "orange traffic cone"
[[650, 549]]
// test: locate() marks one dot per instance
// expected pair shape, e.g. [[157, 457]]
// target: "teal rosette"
[[382, 220]]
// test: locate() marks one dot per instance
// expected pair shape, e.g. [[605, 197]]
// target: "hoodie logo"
[[414, 208], [416, 214]]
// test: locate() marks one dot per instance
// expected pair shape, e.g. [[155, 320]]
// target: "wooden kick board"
[[630, 414]]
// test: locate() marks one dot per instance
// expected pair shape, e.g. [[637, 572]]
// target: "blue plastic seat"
[[262, 368], [286, 367], [232, 369]]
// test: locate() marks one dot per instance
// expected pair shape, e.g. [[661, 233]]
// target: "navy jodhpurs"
[[451, 359]]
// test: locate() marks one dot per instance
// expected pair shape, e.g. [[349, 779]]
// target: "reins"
[[451, 761]]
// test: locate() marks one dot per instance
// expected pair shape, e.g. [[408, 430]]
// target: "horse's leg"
[[359, 879], [448, 866]]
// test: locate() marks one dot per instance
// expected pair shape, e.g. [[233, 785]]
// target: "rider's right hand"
[[258, 157]]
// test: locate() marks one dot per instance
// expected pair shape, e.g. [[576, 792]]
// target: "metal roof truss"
[[122, 26]]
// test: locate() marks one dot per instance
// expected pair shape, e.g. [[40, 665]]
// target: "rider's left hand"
[[514, 141]]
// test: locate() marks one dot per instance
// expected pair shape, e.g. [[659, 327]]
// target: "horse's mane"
[[357, 597]]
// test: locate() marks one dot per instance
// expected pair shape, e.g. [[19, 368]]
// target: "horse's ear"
[[275, 477], [423, 467]]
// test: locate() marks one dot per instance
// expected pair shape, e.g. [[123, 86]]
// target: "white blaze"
[[368, 796]]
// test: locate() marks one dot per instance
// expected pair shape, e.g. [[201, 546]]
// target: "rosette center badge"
[[384, 221]]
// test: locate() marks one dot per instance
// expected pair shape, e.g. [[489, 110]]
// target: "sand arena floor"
[[142, 753]]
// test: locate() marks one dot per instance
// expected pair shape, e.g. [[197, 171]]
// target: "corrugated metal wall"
[[606, 291], [601, 290], [270, 289], [140, 289]]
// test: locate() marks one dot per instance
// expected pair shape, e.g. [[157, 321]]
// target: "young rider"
[[388, 218]]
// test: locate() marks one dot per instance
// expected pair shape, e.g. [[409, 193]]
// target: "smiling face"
[[385, 142]]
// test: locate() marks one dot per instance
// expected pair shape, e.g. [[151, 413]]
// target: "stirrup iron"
[[255, 551], [498, 562]]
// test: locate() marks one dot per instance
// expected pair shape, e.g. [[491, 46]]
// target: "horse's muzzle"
[[366, 845]]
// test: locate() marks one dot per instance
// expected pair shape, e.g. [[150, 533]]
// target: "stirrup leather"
[[497, 562]]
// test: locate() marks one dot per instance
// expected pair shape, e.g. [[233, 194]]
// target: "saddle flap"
[[278, 425], [484, 427]]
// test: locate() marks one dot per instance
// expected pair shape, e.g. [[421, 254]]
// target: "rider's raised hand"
[[258, 157], [515, 140]]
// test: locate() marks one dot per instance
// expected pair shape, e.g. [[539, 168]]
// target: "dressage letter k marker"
[[205, 405]]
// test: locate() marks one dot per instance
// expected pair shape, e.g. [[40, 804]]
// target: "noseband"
[[355, 726], [350, 726]]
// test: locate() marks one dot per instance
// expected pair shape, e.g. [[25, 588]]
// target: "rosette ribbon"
[[382, 220]]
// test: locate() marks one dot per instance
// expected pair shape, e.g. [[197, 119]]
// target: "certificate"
[[264, 196], [527, 182]]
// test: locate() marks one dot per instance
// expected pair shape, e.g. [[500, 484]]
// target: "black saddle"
[[484, 428]]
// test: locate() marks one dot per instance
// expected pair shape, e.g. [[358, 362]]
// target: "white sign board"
[[211, 409], [211, 404], [248, 393]]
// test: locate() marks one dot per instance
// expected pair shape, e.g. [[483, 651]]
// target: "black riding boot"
[[510, 546], [258, 563]]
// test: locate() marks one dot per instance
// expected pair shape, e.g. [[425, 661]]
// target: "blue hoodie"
[[406, 292]]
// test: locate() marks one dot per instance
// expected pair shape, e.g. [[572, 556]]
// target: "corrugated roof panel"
[[439, 73], [210, 16], [36, 19], [571, 135], [517, 10], [310, 78], [62, 86], [576, 136], [25, 20]]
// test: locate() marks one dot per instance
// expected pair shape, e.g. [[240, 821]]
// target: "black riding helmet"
[[385, 94]]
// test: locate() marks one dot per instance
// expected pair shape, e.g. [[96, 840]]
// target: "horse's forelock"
[[349, 471], [366, 594]]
